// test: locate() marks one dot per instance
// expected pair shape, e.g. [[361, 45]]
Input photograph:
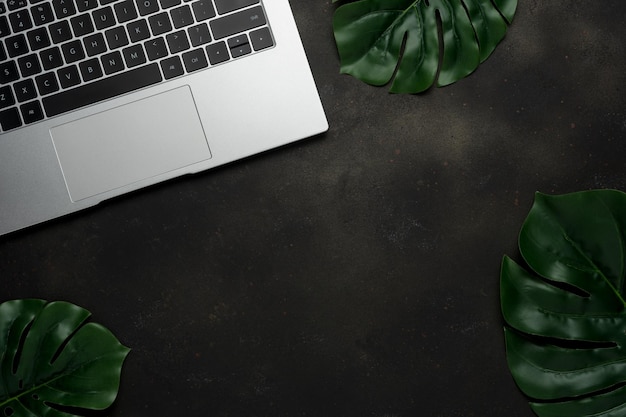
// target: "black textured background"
[[356, 273]]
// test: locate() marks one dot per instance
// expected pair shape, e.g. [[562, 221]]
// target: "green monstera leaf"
[[566, 317], [53, 363], [379, 38]]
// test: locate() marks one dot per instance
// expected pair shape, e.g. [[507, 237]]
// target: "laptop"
[[102, 97]]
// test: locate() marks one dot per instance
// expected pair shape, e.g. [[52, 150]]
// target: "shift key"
[[238, 22]]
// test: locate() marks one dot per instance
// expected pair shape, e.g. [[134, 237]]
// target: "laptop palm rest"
[[130, 143]]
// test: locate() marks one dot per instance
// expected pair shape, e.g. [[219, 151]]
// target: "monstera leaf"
[[566, 320], [52, 363], [377, 38]]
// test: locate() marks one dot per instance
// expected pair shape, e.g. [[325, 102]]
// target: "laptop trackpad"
[[130, 143]]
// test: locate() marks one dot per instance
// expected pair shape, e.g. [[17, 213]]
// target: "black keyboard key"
[[203, 10], [95, 44], [177, 42], [116, 37], [156, 49], [102, 89], [226, 6], [47, 83], [6, 97], [68, 76], [38, 38], [217, 52], [3, 8], [82, 24], [8, 72], [147, 7], [31, 112], [4, 27], [172, 67], [73, 51], [239, 46], [25, 90], [112, 62], [10, 119], [125, 11], [42, 14], [195, 60], [138, 30], [29, 65], [261, 39], [16, 4], [160, 23], [3, 54], [51, 58], [181, 16], [64, 8], [134, 56], [166, 4], [16, 45], [90, 69], [199, 34], [103, 18], [20, 21], [84, 5], [60, 31], [235, 23]]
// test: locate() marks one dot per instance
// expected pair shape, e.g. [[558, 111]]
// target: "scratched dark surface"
[[355, 273]]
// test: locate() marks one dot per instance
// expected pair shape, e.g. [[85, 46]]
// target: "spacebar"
[[106, 88]]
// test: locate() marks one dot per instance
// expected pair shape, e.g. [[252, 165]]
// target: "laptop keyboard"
[[60, 55]]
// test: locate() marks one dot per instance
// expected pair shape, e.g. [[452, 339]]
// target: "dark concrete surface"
[[356, 273]]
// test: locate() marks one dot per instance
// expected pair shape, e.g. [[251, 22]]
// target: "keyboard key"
[[239, 46], [235, 23], [102, 89], [199, 35], [25, 90], [181, 16], [203, 10], [95, 44], [105, 2], [177, 42], [4, 27], [16, 45], [20, 21], [82, 24], [218, 53], [147, 7], [160, 23], [226, 6], [166, 4], [103, 18], [38, 38], [10, 119], [172, 67], [60, 31], [116, 37], [51, 58], [8, 72], [63, 8], [42, 14], [156, 49], [6, 97], [16, 4], [84, 5], [138, 30], [47, 83], [31, 112], [134, 56], [112, 62], [195, 60], [125, 11], [261, 39], [68, 76], [73, 51], [29, 65], [90, 69]]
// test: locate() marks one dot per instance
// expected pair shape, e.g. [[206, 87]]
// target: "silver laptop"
[[102, 97]]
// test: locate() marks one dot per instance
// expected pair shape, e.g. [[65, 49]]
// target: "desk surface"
[[355, 273]]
